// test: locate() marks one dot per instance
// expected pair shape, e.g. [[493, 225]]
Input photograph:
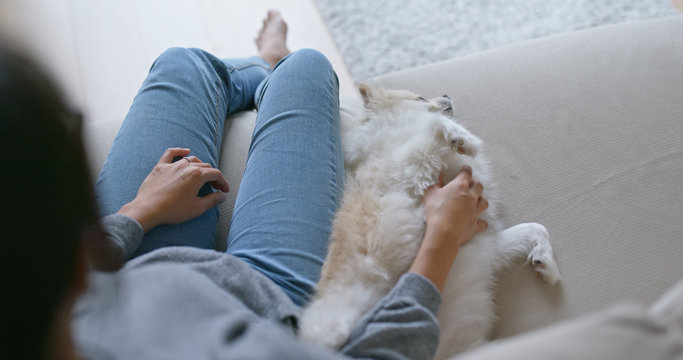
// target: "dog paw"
[[331, 337], [334, 339], [541, 257], [326, 323], [461, 146], [461, 140]]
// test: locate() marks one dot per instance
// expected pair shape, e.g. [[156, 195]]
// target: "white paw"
[[463, 147], [541, 256], [331, 337], [323, 326], [462, 141]]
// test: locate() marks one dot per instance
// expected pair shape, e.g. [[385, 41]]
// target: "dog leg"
[[329, 319], [530, 240], [460, 139]]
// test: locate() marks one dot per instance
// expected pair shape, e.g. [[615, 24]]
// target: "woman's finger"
[[211, 200], [172, 153], [193, 159], [215, 177], [202, 165], [478, 188], [482, 205], [463, 179], [437, 185], [481, 225]]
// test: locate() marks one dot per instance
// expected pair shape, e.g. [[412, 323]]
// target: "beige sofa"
[[585, 135]]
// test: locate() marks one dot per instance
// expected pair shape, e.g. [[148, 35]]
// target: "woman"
[[176, 297]]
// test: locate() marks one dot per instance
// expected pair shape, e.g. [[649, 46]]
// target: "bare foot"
[[272, 39]]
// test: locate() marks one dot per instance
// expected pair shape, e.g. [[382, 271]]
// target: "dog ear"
[[365, 92]]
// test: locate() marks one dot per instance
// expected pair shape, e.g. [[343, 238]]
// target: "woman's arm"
[[452, 213], [169, 193], [167, 196]]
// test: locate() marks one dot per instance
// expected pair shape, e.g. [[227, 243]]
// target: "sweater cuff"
[[421, 289], [124, 232]]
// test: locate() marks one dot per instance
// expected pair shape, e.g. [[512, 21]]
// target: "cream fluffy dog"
[[392, 153]]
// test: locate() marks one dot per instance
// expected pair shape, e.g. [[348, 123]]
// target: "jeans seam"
[[216, 125], [216, 121], [248, 65]]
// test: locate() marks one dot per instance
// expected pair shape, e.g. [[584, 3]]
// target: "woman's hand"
[[452, 213], [453, 210], [169, 193]]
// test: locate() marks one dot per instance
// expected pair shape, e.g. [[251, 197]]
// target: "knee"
[[176, 58], [175, 54], [313, 60], [312, 55]]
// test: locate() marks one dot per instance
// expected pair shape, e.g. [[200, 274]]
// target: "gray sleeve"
[[403, 325], [123, 236]]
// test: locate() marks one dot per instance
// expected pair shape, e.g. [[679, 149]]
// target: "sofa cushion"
[[585, 135]]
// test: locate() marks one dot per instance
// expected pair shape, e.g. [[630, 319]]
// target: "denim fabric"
[[294, 174]]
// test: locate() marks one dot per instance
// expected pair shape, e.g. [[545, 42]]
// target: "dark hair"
[[46, 202]]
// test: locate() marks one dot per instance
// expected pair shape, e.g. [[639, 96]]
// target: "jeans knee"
[[312, 55], [175, 53], [314, 59], [177, 57], [315, 64]]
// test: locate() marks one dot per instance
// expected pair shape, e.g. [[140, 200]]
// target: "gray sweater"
[[188, 303]]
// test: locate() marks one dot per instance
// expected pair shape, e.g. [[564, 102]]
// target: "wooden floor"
[[100, 50]]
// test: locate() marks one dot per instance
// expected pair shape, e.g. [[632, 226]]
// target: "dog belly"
[[467, 310]]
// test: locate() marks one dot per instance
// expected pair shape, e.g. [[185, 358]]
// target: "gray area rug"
[[381, 36]]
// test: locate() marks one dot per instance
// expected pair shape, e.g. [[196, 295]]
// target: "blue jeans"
[[294, 175]]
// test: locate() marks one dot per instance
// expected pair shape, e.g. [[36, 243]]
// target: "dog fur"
[[392, 153]]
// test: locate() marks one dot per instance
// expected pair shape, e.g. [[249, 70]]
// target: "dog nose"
[[446, 101], [446, 104]]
